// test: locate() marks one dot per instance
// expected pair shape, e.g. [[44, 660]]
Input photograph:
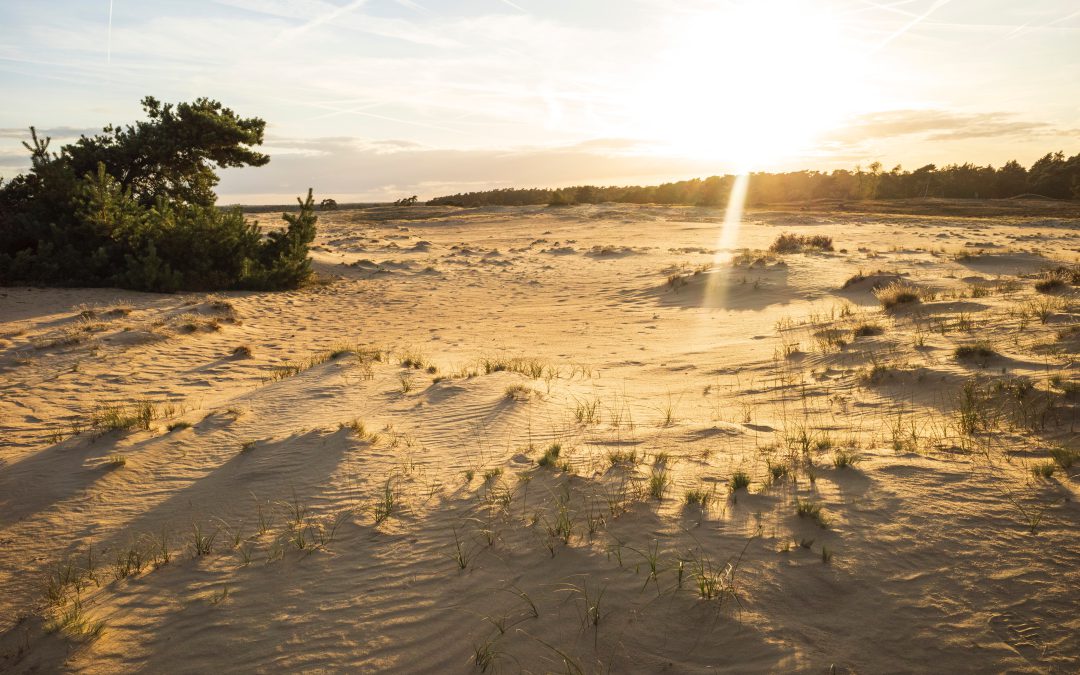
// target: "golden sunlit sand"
[[604, 438]]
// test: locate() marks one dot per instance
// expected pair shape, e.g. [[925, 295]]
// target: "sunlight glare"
[[726, 241], [750, 85]]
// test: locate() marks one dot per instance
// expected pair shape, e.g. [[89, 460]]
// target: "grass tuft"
[[899, 293], [1064, 457], [843, 459], [807, 508], [739, 480], [659, 480], [797, 243], [550, 458], [980, 352], [118, 417], [1044, 470]]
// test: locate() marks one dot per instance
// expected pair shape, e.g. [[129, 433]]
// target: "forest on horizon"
[[1054, 176]]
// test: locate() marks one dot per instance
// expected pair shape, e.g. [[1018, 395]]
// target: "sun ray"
[[727, 240]]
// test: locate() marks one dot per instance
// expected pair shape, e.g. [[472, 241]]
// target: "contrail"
[[911, 24], [319, 20], [108, 37], [514, 5]]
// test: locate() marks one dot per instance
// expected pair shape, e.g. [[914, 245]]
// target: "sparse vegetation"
[[740, 480], [798, 243], [1044, 470], [550, 458], [698, 496], [899, 293], [843, 458], [387, 503], [867, 330], [979, 352], [806, 508], [1064, 457], [659, 480], [119, 417]]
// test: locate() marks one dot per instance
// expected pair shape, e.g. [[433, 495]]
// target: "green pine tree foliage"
[[135, 208]]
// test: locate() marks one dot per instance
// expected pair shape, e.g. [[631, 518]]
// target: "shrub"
[[898, 293], [1049, 284], [979, 352], [134, 207], [795, 243], [1056, 279]]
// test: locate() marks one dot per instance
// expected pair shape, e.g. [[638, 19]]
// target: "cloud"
[[940, 125], [23, 133]]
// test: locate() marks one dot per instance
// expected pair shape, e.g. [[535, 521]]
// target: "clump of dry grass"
[[807, 508], [979, 352], [550, 456], [739, 480], [518, 392], [1056, 279], [114, 417], [364, 355], [899, 293], [529, 367], [1064, 457], [867, 329], [789, 242], [861, 276]]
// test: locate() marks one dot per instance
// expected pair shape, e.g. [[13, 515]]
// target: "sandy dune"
[[468, 343]]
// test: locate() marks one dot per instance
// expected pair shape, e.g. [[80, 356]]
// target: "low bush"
[[795, 243], [898, 293], [135, 208]]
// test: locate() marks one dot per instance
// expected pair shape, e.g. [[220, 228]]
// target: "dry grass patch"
[[789, 242], [980, 352], [899, 293], [1052, 281], [119, 417]]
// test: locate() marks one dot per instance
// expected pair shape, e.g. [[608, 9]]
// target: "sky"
[[371, 100]]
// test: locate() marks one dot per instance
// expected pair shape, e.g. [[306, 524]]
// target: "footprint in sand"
[[1018, 634]]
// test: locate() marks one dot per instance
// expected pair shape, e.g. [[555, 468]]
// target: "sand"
[[430, 539]]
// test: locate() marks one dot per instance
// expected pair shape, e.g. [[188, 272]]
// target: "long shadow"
[[56, 473], [1017, 263], [728, 288], [61, 471], [297, 466]]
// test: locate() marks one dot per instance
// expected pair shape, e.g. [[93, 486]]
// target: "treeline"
[[135, 207], [1054, 175]]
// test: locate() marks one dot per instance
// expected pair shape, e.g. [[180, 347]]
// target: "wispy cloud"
[[514, 5], [57, 133], [941, 125], [915, 21]]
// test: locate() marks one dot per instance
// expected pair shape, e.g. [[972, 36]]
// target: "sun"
[[750, 85]]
